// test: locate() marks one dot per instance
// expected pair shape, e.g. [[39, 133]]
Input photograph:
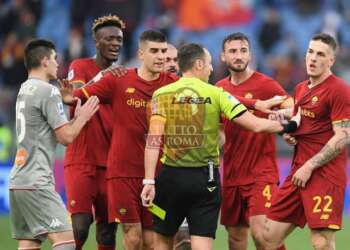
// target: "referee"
[[185, 120]]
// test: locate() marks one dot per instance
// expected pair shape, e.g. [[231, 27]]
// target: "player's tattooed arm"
[[334, 146]]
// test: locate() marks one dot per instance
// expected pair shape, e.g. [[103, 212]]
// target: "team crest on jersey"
[[248, 95], [70, 75], [314, 99]]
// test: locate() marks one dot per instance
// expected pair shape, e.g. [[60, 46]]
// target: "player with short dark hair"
[[36, 209], [187, 113], [313, 192], [250, 166], [86, 158], [129, 97]]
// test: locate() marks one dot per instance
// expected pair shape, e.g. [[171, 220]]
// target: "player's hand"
[[147, 195], [66, 90], [302, 175], [88, 109], [290, 139], [116, 70], [266, 106]]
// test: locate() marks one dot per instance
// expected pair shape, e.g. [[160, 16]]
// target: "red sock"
[[79, 245], [283, 247], [103, 247]]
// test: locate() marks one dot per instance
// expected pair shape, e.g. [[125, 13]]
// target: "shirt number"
[[21, 122], [318, 200]]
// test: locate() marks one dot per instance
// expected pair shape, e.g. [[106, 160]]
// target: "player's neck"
[[237, 78], [314, 81], [102, 63], [38, 74], [147, 75]]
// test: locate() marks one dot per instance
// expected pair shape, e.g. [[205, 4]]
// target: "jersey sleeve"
[[340, 103], [103, 89], [249, 103], [159, 104], [230, 106], [52, 109], [76, 73]]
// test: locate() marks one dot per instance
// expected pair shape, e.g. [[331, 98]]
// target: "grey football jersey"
[[39, 111]]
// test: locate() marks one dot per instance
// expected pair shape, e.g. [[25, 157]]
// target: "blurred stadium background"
[[279, 31]]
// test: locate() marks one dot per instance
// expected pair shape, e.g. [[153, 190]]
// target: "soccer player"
[[250, 168], [36, 209], [313, 192], [86, 158], [129, 96], [187, 113]]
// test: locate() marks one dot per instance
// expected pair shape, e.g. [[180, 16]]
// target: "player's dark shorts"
[[185, 192]]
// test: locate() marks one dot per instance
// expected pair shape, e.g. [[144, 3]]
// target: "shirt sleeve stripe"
[[85, 93]]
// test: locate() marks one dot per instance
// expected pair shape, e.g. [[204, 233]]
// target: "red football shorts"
[[241, 202], [320, 204], [124, 202], [86, 188]]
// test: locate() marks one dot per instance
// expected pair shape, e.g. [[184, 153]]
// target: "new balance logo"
[[55, 223], [211, 189], [130, 90]]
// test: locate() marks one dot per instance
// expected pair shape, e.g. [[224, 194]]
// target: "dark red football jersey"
[[249, 156], [92, 144], [130, 97], [321, 107]]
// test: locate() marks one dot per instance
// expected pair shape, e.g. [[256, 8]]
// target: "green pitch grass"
[[298, 240]]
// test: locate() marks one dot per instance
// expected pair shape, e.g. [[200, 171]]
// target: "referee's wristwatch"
[[148, 182]]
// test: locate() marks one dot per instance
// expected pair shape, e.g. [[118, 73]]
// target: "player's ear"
[[140, 54], [45, 61], [199, 64], [222, 57]]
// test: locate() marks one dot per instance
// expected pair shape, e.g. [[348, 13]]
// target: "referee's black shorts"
[[185, 192]]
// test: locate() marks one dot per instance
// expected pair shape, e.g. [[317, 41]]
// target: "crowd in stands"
[[279, 31]]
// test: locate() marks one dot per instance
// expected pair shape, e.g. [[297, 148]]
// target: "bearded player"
[[250, 175]]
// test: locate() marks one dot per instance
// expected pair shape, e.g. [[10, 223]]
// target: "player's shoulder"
[[337, 82], [169, 77], [262, 78], [80, 62]]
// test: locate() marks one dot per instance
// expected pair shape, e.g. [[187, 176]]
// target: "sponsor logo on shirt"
[[308, 113], [137, 103]]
